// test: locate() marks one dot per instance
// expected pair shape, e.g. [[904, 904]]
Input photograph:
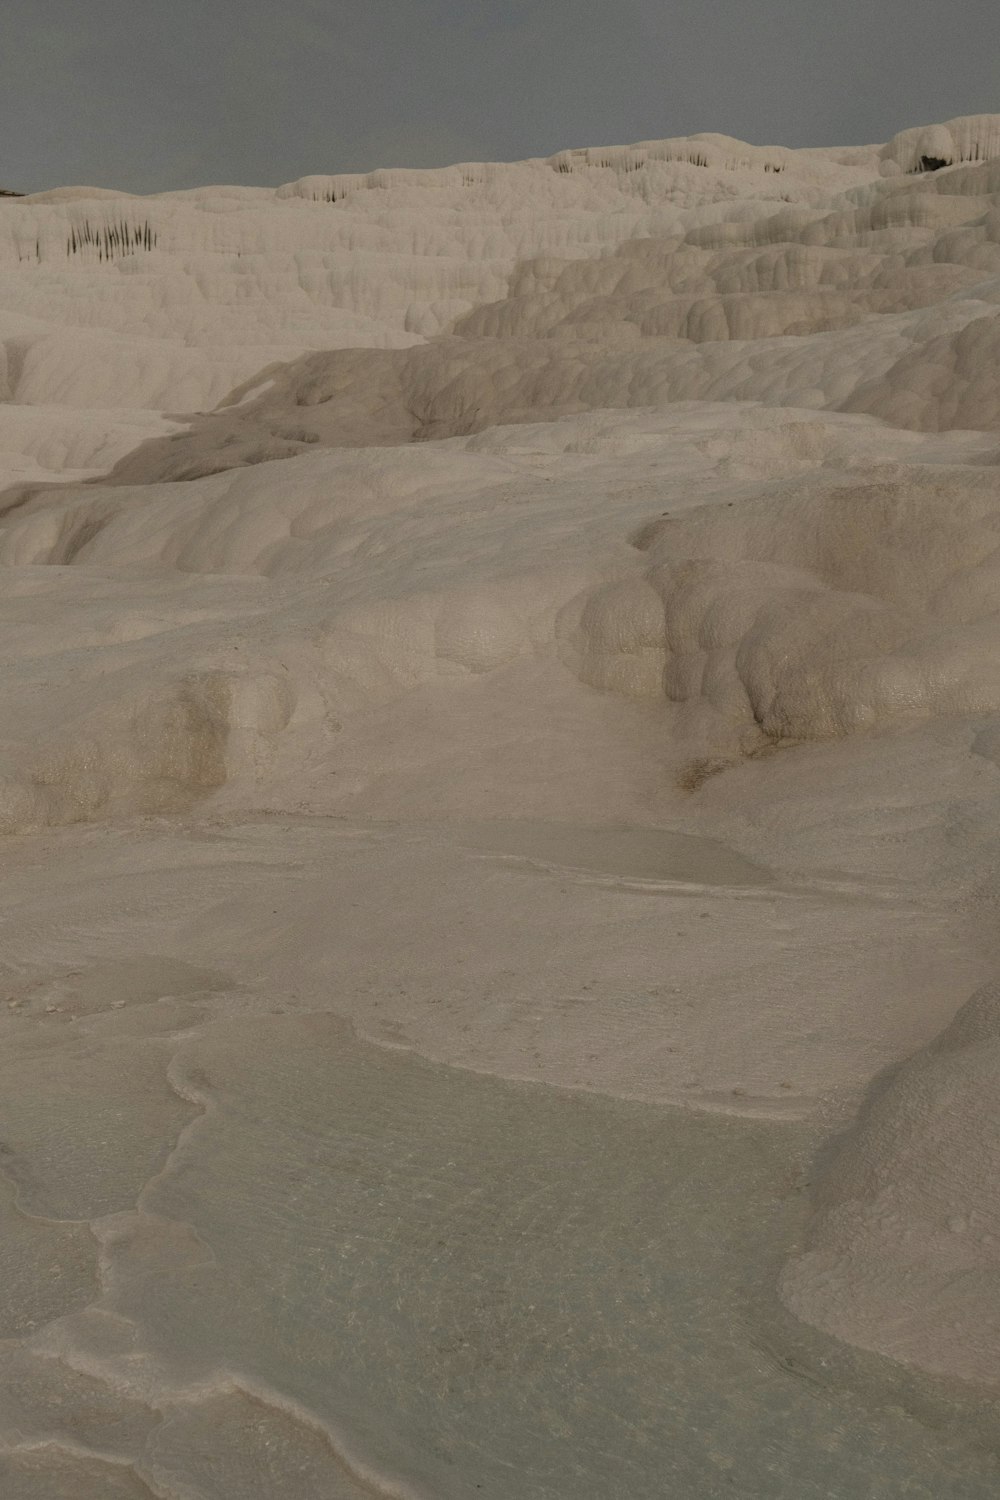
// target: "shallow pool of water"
[[477, 1288]]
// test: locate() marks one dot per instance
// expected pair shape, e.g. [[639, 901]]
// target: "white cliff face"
[[504, 625], [925, 148]]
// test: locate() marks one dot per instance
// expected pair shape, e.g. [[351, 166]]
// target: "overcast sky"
[[149, 95]]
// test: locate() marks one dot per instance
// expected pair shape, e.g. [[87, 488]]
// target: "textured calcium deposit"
[[545, 616]]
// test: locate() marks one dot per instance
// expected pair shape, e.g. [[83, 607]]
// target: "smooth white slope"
[[647, 752]]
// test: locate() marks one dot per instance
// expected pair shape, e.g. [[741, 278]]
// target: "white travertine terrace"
[[426, 597], [208, 286]]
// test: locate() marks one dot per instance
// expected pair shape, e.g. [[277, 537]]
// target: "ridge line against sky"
[[144, 97]]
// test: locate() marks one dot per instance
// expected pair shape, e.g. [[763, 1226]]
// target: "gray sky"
[[149, 95]]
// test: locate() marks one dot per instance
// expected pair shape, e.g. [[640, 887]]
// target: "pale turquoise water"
[[506, 1291]]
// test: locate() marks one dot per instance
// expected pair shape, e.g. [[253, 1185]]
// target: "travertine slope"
[[474, 635]]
